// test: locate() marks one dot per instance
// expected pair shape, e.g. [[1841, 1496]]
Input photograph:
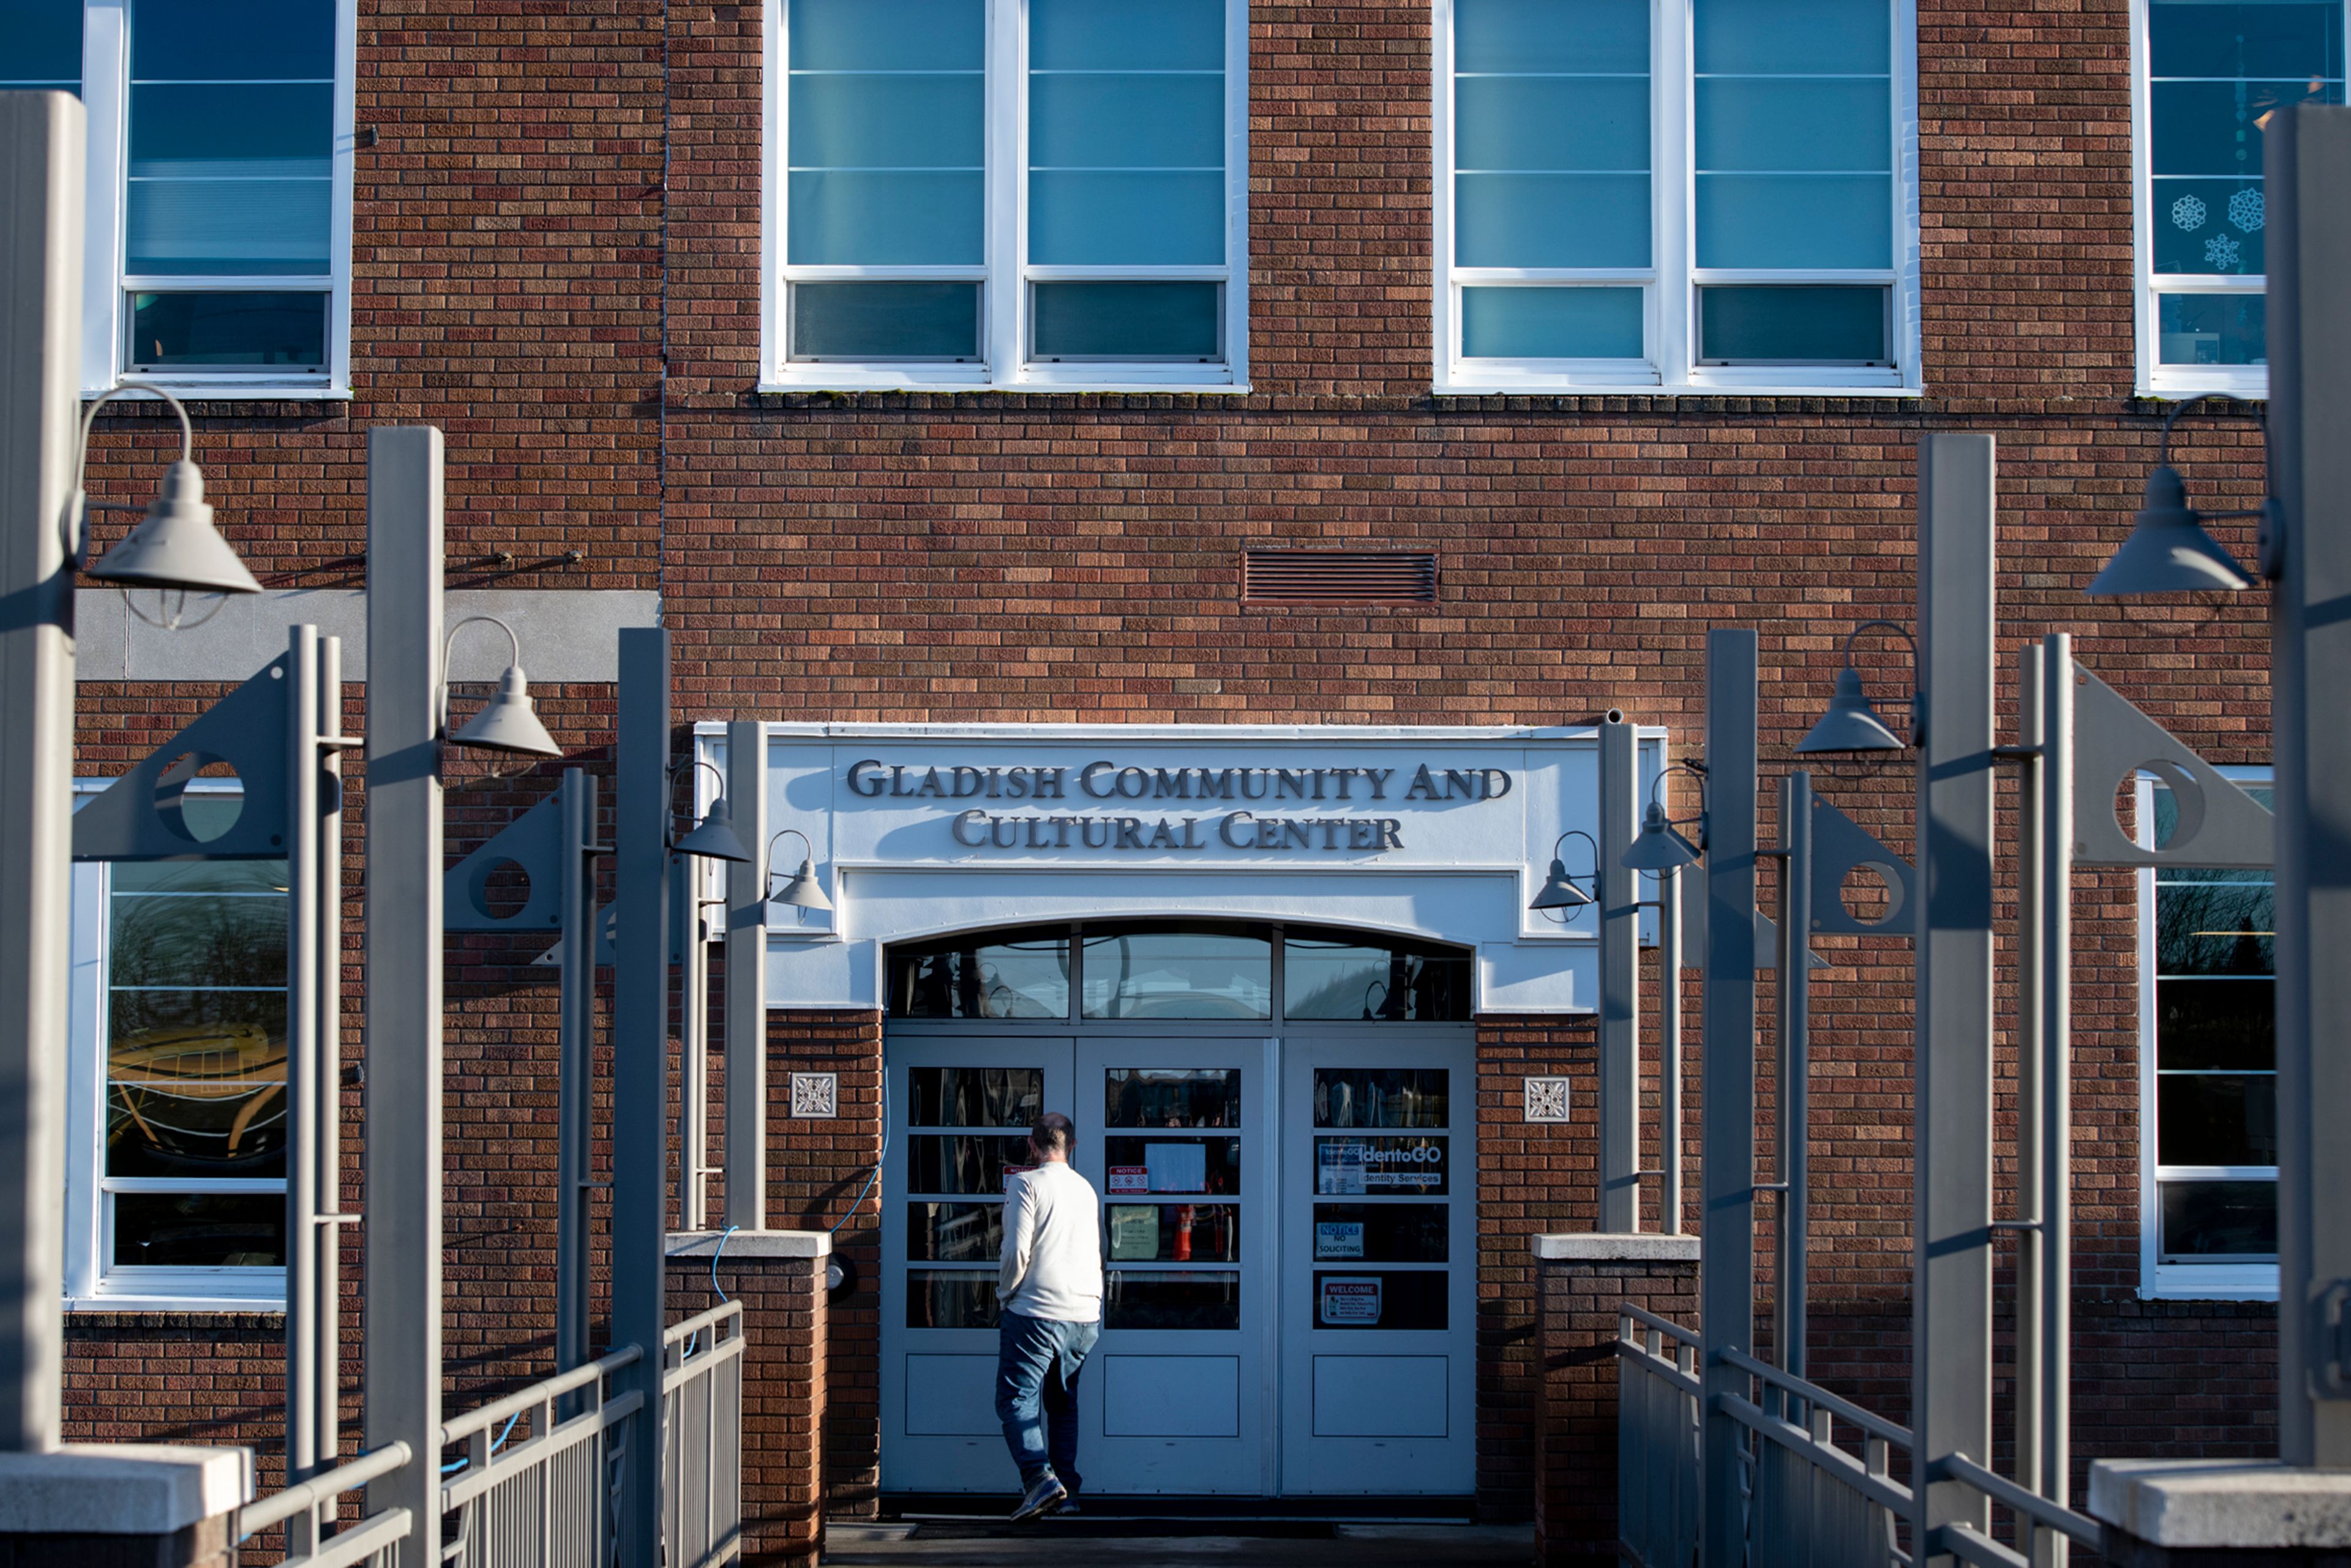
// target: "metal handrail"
[[1820, 1398], [279, 1507], [1659, 1367], [1663, 1325], [1882, 1490], [562, 1383], [1970, 1546], [691, 1326], [2009, 1495]]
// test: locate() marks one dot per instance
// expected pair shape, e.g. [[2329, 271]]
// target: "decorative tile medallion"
[[1546, 1100], [816, 1095]]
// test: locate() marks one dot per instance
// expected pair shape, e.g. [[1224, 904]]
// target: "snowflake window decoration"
[[2245, 210], [2187, 213], [2221, 251]]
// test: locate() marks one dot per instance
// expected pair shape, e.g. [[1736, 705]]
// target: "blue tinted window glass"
[[885, 138], [1550, 122], [220, 227], [231, 40], [1126, 142], [247, 130], [2212, 330], [1128, 321], [1795, 219], [1551, 323], [1534, 37], [2213, 72], [1550, 220], [1785, 124], [40, 45], [1126, 34], [886, 218], [1798, 325], [885, 320], [1792, 37], [886, 34]]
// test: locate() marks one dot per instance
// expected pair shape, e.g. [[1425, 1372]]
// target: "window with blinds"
[[1699, 194], [1000, 193]]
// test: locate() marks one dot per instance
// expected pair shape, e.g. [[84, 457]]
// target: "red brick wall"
[[1575, 1440], [784, 1377]]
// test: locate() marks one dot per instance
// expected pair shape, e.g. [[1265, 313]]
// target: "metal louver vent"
[[1322, 577]]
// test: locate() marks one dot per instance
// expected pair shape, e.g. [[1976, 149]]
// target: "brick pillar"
[[123, 1505], [779, 1278], [1580, 1280]]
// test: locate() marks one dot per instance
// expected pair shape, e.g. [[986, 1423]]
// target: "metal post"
[[1726, 1069], [1951, 1294], [1793, 1033], [641, 1068], [2030, 1113], [326, 1053], [40, 354], [693, 1049], [302, 1095], [2308, 169], [1620, 982], [2055, 714], [575, 1082], [402, 1314], [1669, 1049], [747, 981]]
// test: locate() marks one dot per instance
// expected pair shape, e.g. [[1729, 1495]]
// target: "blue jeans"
[[1036, 1364]]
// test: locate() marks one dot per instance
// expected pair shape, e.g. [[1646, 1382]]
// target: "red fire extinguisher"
[[1184, 1234]]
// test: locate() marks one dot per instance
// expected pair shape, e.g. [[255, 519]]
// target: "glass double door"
[[1288, 1246], [1175, 1135]]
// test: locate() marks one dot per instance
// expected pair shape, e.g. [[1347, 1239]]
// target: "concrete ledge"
[[705, 1244], [2245, 1504], [1607, 1246], [120, 1489]]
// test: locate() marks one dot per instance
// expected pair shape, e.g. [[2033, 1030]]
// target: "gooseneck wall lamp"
[[506, 722], [1660, 846], [1561, 891], [803, 891], [1852, 724], [714, 837], [2168, 550], [174, 548]]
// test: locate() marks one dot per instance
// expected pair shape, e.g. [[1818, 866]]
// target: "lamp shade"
[[507, 722], [1559, 890], [803, 892], [713, 838], [1659, 846], [176, 546], [2168, 550], [1851, 724]]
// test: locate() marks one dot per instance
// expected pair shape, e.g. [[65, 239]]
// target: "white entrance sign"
[[1437, 833]]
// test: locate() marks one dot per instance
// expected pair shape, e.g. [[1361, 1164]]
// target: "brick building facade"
[[562, 250]]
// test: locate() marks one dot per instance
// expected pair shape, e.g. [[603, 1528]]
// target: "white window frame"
[[1670, 333], [2159, 1280], [2157, 379], [106, 288], [1004, 281], [91, 1284]]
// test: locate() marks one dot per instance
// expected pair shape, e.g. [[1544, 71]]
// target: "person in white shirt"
[[1049, 1287]]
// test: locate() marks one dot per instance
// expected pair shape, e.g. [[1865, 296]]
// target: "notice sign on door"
[[1130, 1178], [1338, 1166], [1349, 1302], [1338, 1239], [1011, 1171]]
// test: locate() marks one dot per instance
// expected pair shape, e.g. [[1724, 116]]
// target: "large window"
[[2206, 76], [2209, 1073], [990, 193], [218, 247], [1640, 194], [176, 1167]]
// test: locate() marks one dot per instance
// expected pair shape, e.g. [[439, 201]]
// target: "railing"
[[548, 1497], [1656, 1440], [702, 1438], [1818, 1503], [1811, 1498], [298, 1508]]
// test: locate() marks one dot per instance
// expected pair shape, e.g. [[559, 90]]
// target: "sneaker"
[[1040, 1498], [1068, 1506]]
